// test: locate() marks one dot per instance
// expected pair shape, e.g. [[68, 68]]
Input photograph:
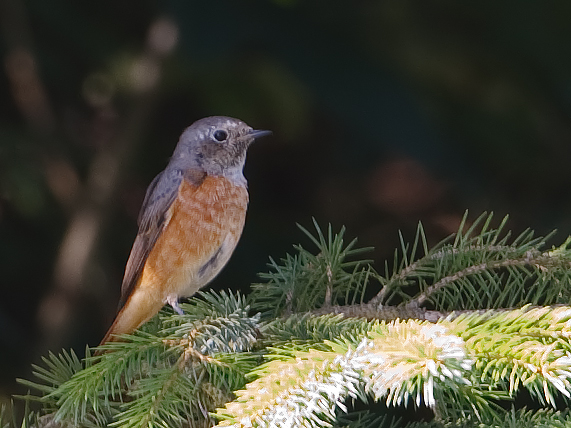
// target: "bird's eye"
[[220, 135]]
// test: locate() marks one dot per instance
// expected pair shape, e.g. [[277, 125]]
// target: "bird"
[[190, 221]]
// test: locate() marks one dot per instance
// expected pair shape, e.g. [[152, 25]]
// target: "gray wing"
[[159, 197]]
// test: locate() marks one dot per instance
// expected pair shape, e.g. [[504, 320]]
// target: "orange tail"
[[139, 308]]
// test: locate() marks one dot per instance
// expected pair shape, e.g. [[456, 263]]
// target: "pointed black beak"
[[259, 133]]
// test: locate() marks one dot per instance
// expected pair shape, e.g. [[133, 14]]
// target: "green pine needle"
[[302, 282], [300, 349]]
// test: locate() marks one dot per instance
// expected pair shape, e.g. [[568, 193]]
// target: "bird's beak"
[[258, 133]]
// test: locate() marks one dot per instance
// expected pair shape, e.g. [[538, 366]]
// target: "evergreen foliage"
[[456, 334]]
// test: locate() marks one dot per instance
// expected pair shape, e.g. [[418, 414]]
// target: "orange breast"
[[203, 229]]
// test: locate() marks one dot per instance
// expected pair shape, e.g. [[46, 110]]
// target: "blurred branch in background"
[[87, 204], [86, 221], [22, 70]]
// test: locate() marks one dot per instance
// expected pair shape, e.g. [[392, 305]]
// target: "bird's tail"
[[137, 310], [116, 329]]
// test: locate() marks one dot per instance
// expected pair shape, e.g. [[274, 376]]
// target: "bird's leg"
[[173, 301]]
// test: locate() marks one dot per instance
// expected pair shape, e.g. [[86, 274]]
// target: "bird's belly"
[[203, 229]]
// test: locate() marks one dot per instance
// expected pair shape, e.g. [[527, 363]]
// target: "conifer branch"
[[385, 313], [401, 277], [534, 259], [396, 362], [306, 342]]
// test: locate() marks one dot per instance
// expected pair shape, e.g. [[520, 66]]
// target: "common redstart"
[[190, 222]]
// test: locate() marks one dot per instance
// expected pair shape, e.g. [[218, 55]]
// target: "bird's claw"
[[173, 301]]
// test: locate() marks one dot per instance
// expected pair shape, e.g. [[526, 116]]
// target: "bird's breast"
[[203, 228]]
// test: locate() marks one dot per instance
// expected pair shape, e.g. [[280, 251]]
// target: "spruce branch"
[[386, 313], [397, 362], [480, 267], [304, 331], [530, 347], [444, 331], [57, 370], [172, 373], [305, 281], [532, 259], [453, 366]]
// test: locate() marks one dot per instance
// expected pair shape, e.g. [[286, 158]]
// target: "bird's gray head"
[[217, 145]]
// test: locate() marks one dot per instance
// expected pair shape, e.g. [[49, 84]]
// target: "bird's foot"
[[173, 301]]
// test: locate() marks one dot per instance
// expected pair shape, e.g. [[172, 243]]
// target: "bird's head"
[[216, 144]]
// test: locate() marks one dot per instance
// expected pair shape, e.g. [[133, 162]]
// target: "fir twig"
[[540, 261], [316, 345]]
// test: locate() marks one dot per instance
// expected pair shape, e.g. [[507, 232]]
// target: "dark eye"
[[220, 135]]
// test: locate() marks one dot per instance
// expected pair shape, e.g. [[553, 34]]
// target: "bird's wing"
[[152, 219]]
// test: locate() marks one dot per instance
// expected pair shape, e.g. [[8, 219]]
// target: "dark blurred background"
[[384, 113]]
